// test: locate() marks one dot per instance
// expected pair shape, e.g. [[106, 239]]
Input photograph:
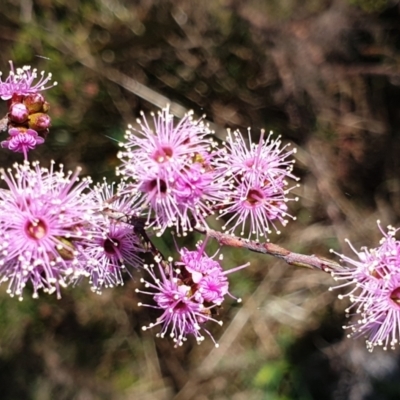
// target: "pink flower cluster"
[[52, 232], [56, 228], [375, 294], [188, 293], [182, 177]]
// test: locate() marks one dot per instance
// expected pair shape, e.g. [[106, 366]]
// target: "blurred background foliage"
[[325, 75]]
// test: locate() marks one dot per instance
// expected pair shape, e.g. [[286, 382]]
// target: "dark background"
[[323, 74]]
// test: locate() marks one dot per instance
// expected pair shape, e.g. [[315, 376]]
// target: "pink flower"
[[22, 141], [114, 247], [21, 82], [44, 214], [375, 291], [188, 294], [181, 314], [259, 189], [171, 169], [255, 206]]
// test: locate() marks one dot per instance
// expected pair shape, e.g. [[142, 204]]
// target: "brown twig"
[[295, 259], [3, 123]]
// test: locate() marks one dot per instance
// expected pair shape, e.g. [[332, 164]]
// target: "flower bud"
[[34, 102], [18, 113], [39, 121], [15, 98]]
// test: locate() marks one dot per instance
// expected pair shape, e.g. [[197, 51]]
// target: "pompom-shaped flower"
[[181, 313], [170, 165], [43, 219], [21, 82], [188, 293], [259, 188], [375, 293], [114, 247]]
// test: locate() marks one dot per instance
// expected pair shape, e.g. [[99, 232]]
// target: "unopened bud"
[[18, 113], [34, 102], [39, 121]]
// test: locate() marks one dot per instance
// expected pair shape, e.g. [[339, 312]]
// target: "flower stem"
[[295, 259]]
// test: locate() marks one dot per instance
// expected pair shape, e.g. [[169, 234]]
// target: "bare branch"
[[295, 259]]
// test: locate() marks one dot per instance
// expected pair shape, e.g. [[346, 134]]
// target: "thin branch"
[[291, 258], [3, 123]]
